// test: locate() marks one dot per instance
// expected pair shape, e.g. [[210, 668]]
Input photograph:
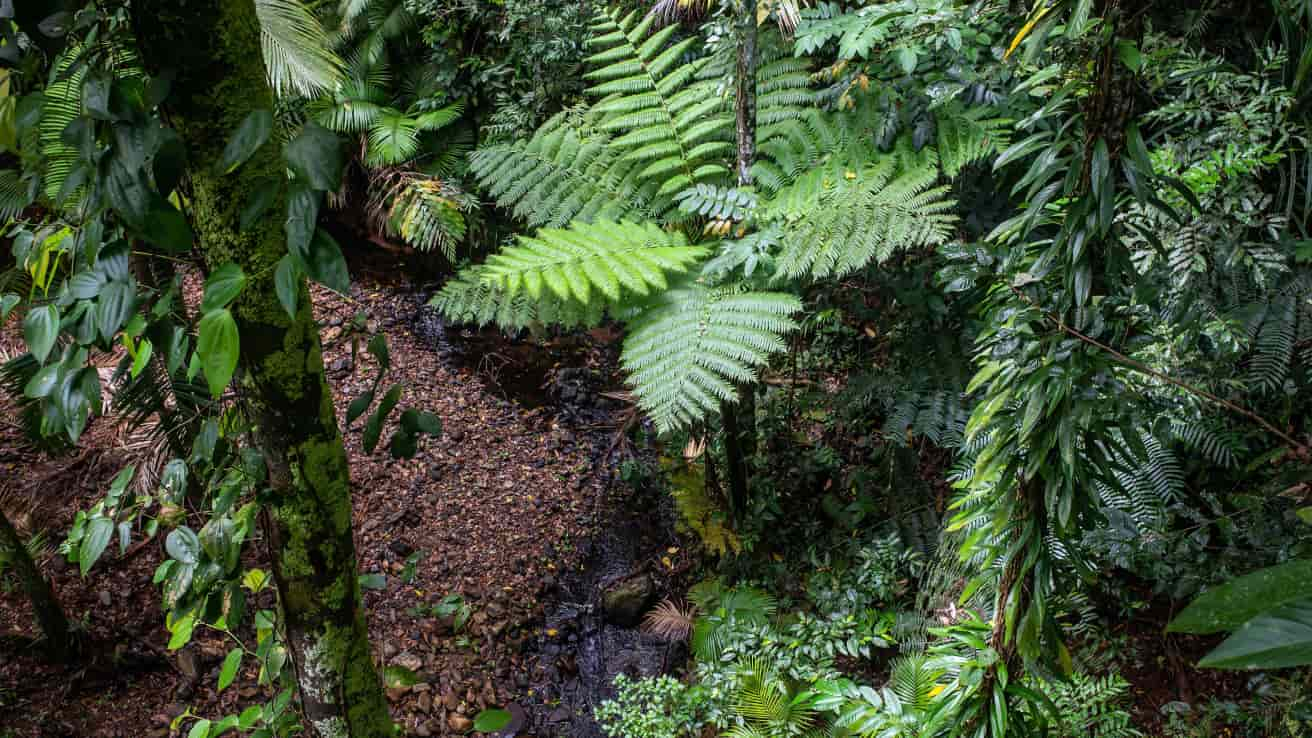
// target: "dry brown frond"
[[670, 620]]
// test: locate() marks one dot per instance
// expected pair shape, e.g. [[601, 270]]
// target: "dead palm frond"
[[670, 620]]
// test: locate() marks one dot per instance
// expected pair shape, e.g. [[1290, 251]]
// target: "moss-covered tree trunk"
[[213, 47], [50, 617]]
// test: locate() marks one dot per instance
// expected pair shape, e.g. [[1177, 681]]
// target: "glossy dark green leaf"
[[166, 228], [169, 162], [184, 545], [325, 264], [1277, 639], [40, 327], [117, 301], [378, 347], [287, 283], [1230, 605], [96, 88], [302, 218], [222, 287], [43, 382], [218, 346], [99, 532], [86, 285], [247, 139], [315, 156]]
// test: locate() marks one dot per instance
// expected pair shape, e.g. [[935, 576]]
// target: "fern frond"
[[606, 256], [688, 347], [566, 172], [966, 136], [841, 217]]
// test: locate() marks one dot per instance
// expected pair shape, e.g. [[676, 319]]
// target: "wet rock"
[[625, 601]]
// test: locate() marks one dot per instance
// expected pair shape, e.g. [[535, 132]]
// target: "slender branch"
[[1303, 449]]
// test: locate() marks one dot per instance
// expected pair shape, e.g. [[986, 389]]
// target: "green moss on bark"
[[213, 47]]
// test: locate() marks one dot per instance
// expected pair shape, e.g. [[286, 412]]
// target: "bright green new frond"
[[608, 257], [841, 217], [689, 346]]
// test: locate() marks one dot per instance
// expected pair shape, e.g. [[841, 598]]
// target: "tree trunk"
[[740, 421], [213, 46], [49, 614]]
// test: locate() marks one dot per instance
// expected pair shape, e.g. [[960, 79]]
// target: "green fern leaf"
[[688, 347]]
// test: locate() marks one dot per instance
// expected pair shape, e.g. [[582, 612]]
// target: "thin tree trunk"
[[50, 615], [214, 48], [740, 421]]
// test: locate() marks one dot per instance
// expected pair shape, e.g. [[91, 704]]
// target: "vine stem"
[[1304, 450]]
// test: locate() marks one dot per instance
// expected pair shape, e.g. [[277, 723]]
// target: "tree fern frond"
[[606, 256], [965, 136], [688, 347], [840, 217], [565, 172], [468, 299]]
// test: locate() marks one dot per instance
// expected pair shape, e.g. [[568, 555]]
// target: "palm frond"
[[298, 54]]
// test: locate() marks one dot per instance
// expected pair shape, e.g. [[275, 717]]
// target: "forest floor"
[[493, 512], [503, 511]]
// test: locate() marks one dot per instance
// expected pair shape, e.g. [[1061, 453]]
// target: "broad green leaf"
[[116, 303], [99, 531], [373, 581], [249, 137], [287, 283], [228, 672], [302, 214], [218, 347], [181, 630], [1277, 639], [399, 676], [42, 383], [315, 155], [8, 302], [1230, 605], [183, 545], [40, 327], [325, 264], [200, 729], [491, 720], [222, 287]]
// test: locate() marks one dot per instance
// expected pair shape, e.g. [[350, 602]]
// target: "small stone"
[[450, 701], [425, 702], [626, 601], [459, 723], [422, 729], [104, 597], [394, 694]]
